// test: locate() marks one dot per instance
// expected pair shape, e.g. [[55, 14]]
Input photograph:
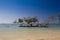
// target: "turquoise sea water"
[[16, 28], [51, 26]]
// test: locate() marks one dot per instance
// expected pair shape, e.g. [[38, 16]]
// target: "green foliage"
[[20, 20], [29, 20], [34, 19], [59, 17]]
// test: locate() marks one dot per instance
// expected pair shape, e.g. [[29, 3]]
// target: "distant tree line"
[[28, 20], [32, 20]]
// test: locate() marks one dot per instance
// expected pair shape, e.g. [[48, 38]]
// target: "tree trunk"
[[31, 25]]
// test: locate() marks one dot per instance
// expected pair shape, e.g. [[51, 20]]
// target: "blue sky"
[[11, 10]]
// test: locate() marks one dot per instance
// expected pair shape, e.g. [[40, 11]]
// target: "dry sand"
[[28, 34]]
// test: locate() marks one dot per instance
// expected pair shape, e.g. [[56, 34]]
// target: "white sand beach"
[[29, 34]]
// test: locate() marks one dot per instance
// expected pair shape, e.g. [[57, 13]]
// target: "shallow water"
[[13, 32]]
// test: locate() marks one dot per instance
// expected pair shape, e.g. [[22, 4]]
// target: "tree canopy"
[[20, 20]]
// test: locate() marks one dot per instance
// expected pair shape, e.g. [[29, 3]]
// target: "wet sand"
[[29, 34]]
